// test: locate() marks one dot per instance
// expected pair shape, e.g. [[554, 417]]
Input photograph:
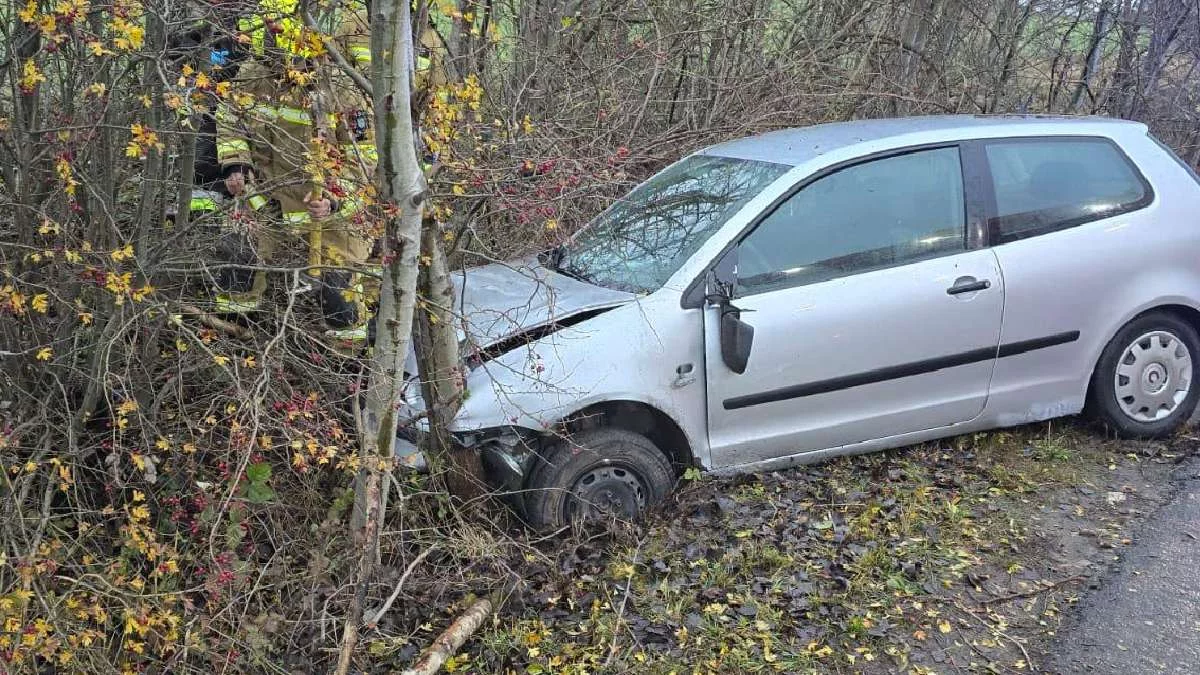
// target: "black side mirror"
[[737, 337]]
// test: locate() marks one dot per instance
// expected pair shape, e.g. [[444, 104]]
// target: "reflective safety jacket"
[[278, 24], [268, 126]]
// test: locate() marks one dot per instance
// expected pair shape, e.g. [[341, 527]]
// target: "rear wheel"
[[597, 474], [1143, 386]]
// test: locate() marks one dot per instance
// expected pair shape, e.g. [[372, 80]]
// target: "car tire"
[[597, 474], [1144, 385]]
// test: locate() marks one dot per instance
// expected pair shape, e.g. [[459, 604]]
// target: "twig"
[[1028, 594], [612, 647], [208, 319], [339, 59], [378, 614], [1032, 667], [452, 639]]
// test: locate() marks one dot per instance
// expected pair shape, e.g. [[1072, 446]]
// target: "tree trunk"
[[1010, 53], [909, 49], [1121, 93], [402, 191], [1168, 20], [440, 366], [1091, 64]]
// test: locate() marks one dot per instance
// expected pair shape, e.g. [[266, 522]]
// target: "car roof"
[[798, 145]]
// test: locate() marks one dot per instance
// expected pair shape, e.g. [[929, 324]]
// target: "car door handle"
[[968, 285]]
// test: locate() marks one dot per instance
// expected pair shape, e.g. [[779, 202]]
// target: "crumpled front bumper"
[[506, 453]]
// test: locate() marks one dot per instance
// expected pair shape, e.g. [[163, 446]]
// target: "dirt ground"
[[961, 556]]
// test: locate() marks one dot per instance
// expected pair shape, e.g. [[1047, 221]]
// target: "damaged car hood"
[[504, 300]]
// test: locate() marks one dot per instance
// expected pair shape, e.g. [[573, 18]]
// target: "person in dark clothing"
[[209, 42]]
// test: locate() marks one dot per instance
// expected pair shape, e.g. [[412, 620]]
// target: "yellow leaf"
[[220, 360], [122, 253], [45, 354], [40, 303], [29, 12], [85, 318], [944, 626]]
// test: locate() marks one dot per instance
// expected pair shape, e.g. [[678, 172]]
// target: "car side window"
[[1048, 184], [868, 216]]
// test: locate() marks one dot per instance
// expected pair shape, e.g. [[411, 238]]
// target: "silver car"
[[838, 289]]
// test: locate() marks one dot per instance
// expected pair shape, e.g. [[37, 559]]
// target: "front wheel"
[[597, 474], [1143, 386]]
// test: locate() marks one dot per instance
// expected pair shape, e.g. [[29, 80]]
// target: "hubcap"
[[1153, 376], [604, 492]]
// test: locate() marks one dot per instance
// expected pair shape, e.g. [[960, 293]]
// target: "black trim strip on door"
[[897, 372]]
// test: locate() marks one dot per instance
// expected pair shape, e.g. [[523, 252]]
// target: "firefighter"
[[207, 43], [306, 121]]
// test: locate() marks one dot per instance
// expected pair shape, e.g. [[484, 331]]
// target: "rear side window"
[[1048, 184]]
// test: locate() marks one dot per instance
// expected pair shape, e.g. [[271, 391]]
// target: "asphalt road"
[[1146, 617]]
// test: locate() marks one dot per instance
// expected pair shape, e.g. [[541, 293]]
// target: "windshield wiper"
[[555, 257], [556, 260]]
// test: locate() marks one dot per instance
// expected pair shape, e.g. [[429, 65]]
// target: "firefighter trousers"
[[277, 238]]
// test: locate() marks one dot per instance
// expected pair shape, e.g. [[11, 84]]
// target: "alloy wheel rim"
[[1153, 376]]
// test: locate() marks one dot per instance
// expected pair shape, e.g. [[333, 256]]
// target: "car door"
[[1076, 236], [874, 313]]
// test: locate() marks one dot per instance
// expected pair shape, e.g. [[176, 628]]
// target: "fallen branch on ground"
[[378, 614], [452, 639], [1031, 593]]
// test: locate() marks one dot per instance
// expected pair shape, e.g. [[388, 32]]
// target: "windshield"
[[643, 238]]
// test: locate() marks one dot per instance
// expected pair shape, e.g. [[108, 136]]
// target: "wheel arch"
[[1187, 312], [638, 417]]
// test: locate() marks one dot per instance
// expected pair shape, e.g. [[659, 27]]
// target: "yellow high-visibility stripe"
[[357, 333], [265, 111], [361, 55], [349, 207], [294, 115], [367, 151], [227, 148], [225, 114], [202, 204], [297, 217], [227, 304], [257, 202]]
